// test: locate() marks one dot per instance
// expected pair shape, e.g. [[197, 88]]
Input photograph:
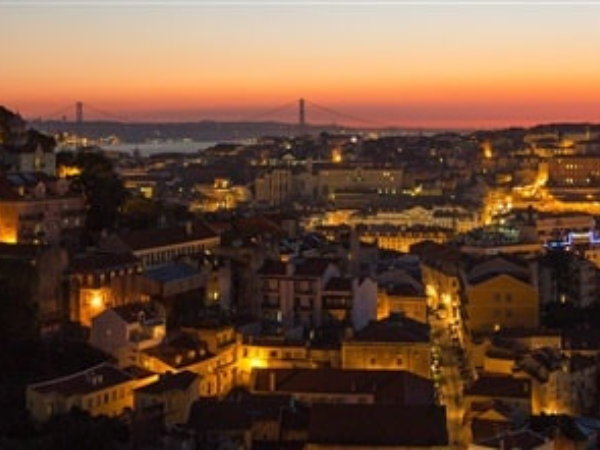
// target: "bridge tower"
[[302, 117], [79, 113]]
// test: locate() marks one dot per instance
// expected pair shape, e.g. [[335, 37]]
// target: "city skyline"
[[437, 64]]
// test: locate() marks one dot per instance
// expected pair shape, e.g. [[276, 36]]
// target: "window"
[[508, 297]]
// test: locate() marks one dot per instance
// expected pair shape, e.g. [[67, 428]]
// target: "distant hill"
[[196, 131]]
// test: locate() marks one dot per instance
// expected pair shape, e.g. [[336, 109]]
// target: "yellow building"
[[396, 343], [440, 269], [402, 299], [501, 300], [102, 389]]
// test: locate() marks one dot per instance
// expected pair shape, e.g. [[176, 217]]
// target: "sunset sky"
[[439, 64]]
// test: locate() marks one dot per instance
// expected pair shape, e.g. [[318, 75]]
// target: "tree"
[[140, 212], [101, 186]]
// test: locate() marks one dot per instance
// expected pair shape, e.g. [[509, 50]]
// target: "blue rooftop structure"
[[170, 272]]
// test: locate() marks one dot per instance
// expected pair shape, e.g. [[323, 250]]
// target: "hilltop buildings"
[[370, 293]]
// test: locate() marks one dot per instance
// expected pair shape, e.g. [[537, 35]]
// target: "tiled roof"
[[480, 279], [181, 352], [93, 379], [253, 226], [521, 439], [236, 413], [210, 416], [394, 329], [180, 381], [163, 237], [378, 425], [103, 261], [500, 386], [399, 387]]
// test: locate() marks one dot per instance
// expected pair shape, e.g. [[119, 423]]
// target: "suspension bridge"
[[303, 113]]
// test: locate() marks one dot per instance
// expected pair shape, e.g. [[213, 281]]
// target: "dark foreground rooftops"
[[378, 425]]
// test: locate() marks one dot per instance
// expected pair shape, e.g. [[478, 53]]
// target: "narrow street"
[[450, 381]]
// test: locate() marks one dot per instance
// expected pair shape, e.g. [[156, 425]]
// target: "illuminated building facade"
[[101, 281], [100, 390], [395, 343], [574, 171], [38, 209], [499, 294]]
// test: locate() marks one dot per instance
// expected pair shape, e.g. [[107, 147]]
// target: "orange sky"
[[436, 65]]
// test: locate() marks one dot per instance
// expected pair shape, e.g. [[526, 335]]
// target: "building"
[[23, 150], [274, 187], [102, 389], [401, 293], [345, 386], [36, 208], [48, 264], [499, 293], [515, 392], [291, 293], [221, 340], [159, 246], [172, 393], [574, 170], [349, 301], [100, 280], [395, 343], [124, 331]]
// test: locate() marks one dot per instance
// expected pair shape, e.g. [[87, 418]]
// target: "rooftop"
[[180, 381], [170, 272], [164, 237], [94, 379], [378, 425], [500, 386], [396, 329], [103, 261], [397, 387]]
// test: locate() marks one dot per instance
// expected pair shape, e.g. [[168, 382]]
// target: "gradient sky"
[[463, 64]]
